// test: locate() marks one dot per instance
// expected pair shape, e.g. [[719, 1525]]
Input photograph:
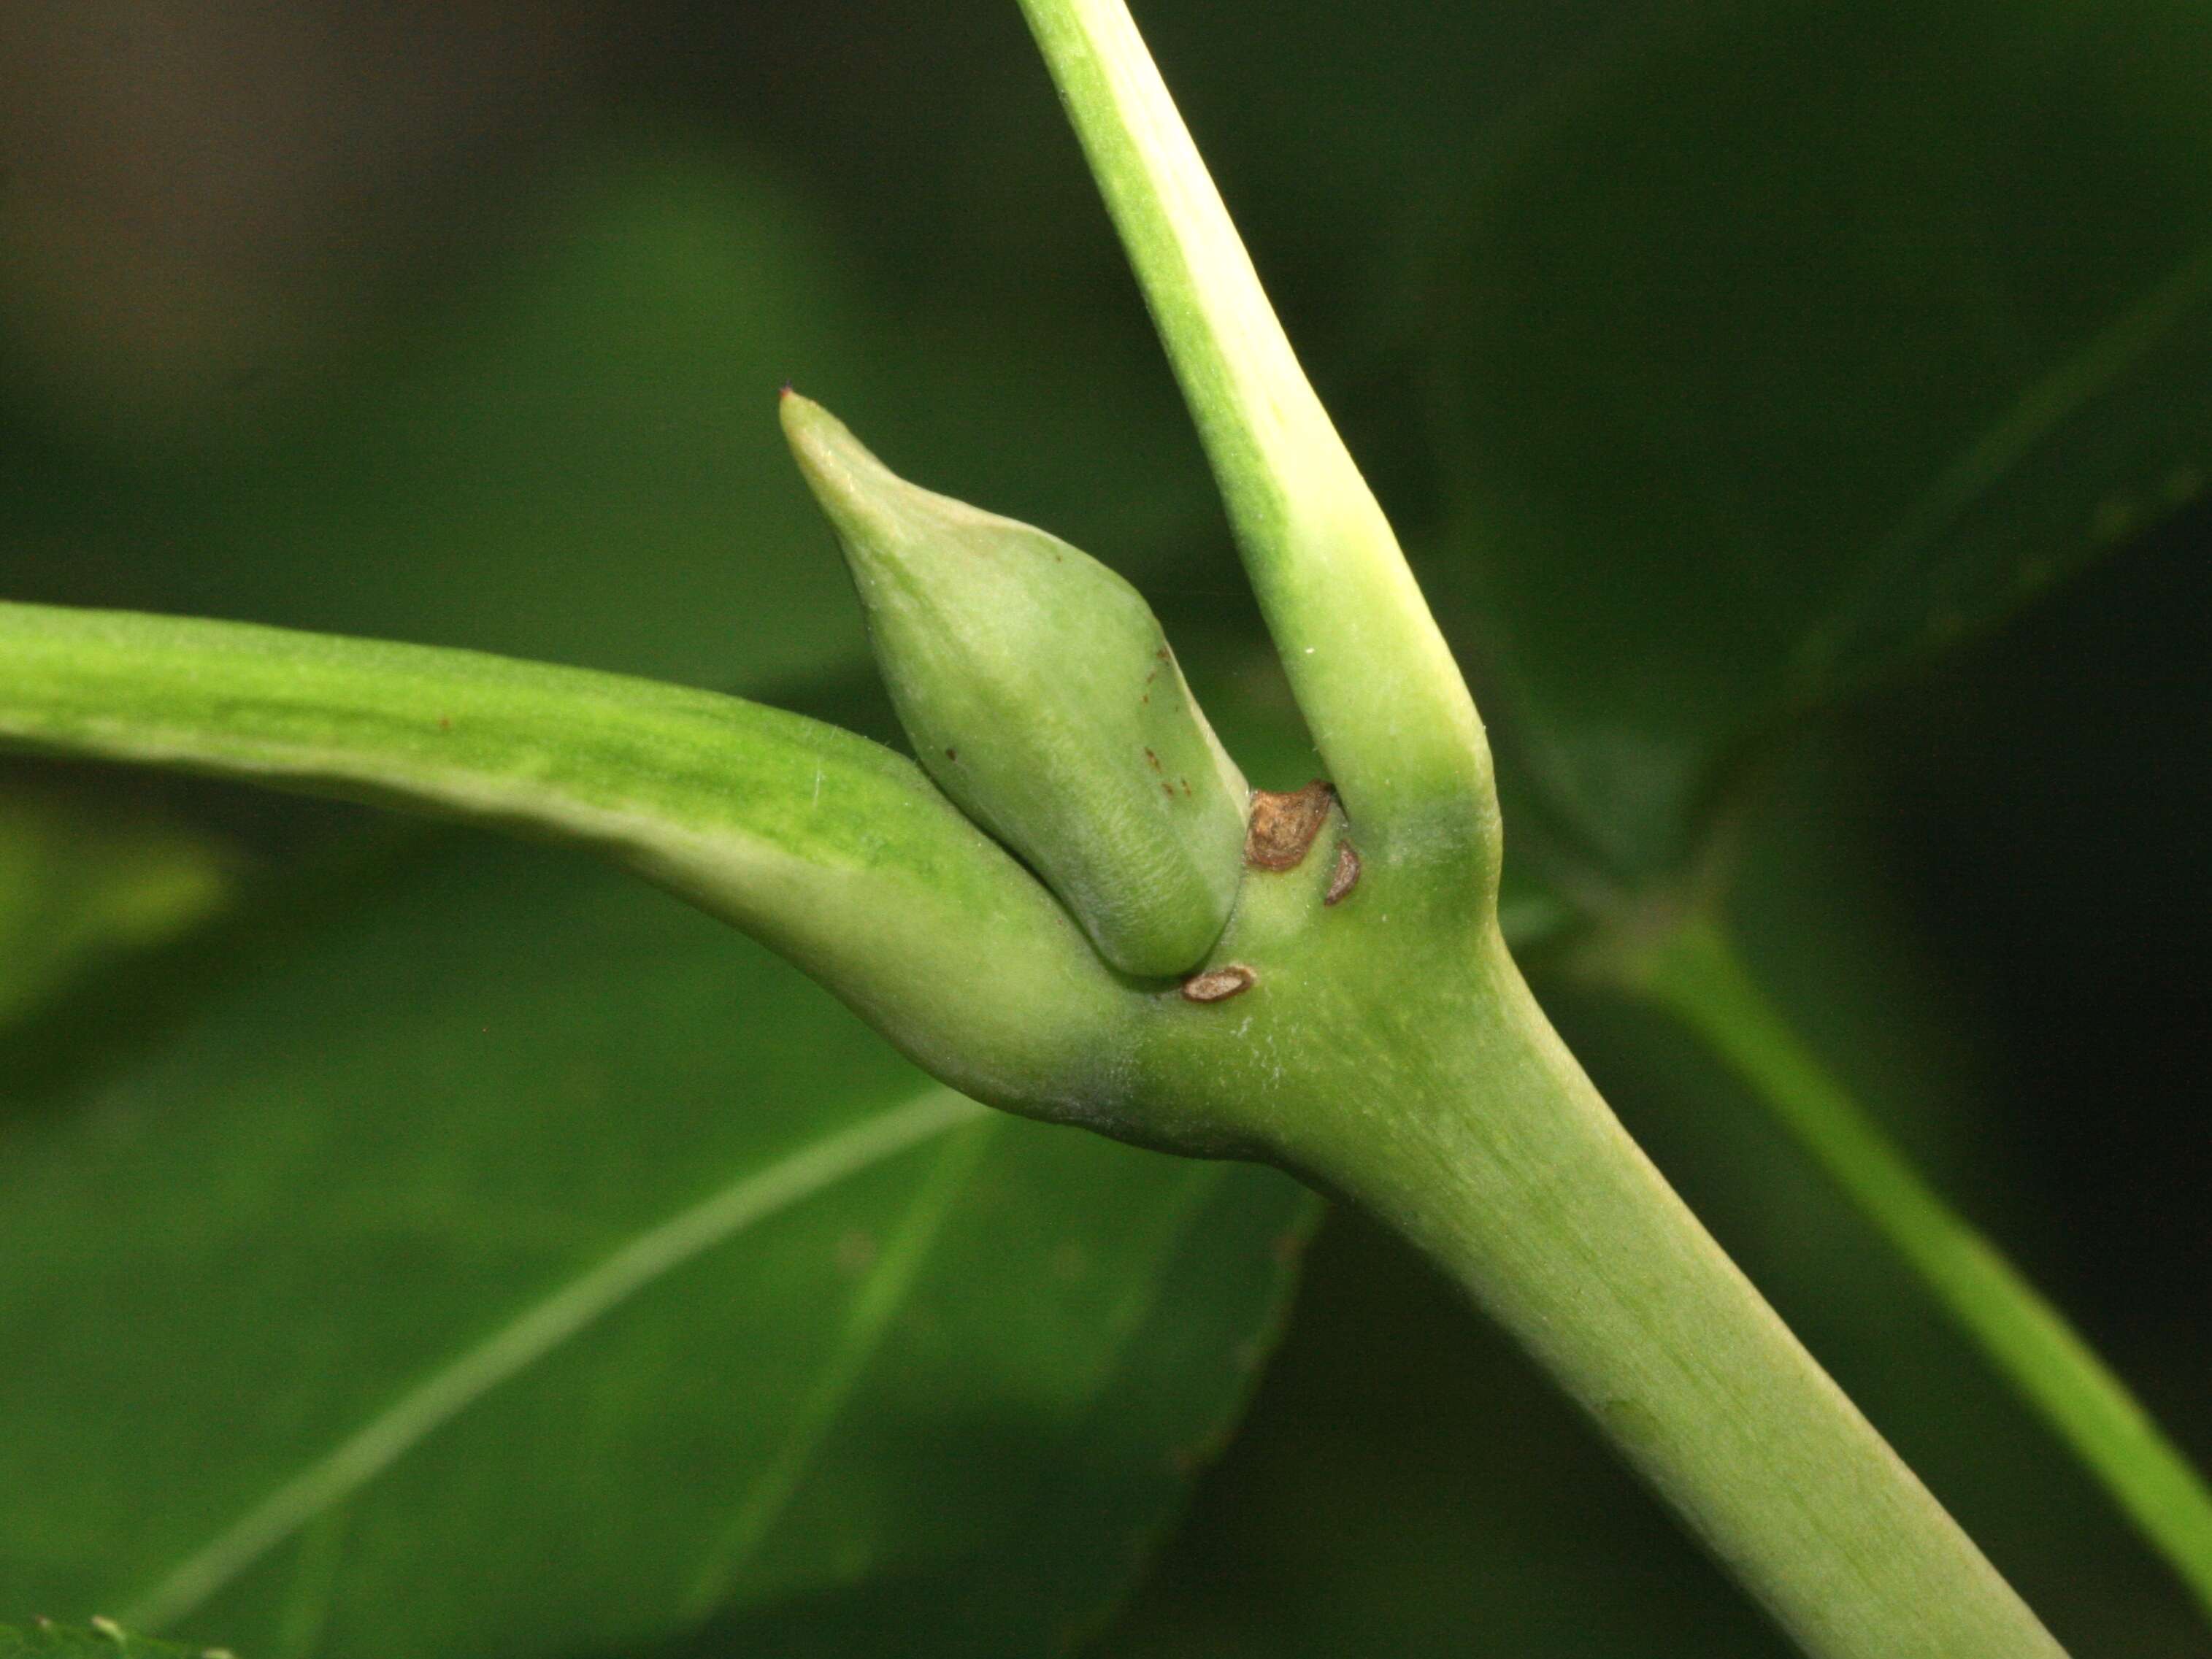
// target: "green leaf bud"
[[1041, 694]]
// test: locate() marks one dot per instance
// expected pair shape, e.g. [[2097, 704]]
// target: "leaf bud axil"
[[1041, 694]]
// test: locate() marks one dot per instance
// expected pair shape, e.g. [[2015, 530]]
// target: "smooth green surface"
[[908, 151], [1779, 344], [1699, 976], [1374, 679], [525, 1251], [1039, 692]]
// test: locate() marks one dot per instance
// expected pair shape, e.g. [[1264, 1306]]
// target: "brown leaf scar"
[[1218, 984], [1283, 826]]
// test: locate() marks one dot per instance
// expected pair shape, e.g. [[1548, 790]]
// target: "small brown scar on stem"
[[952, 754], [1167, 789], [1283, 826], [1345, 876], [1218, 984], [445, 722], [1154, 760]]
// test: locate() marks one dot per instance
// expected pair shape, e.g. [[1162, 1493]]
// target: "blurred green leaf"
[[77, 883], [1787, 342], [531, 1253], [51, 1641], [574, 454]]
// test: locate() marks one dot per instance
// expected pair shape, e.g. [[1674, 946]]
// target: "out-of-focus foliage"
[[574, 457], [1667, 341], [77, 884], [1785, 344], [51, 1641]]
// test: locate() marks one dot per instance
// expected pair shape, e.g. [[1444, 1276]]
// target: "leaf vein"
[[535, 1332]]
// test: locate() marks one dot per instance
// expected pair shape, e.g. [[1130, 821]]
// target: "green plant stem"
[[829, 848], [1403, 1062], [1522, 1183], [1374, 679], [1449, 1108], [1699, 976]]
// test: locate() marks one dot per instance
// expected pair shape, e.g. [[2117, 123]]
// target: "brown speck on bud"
[[1345, 876], [1218, 984], [952, 754], [1283, 826]]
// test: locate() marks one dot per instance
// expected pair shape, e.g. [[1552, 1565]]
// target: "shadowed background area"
[[1800, 422]]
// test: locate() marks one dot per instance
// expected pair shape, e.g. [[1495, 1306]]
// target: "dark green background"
[[464, 323]]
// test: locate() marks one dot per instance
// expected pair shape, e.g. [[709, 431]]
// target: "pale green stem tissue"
[[1374, 677]]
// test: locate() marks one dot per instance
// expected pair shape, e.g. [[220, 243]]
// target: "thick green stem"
[[1515, 1175], [1700, 977], [1386, 1054]]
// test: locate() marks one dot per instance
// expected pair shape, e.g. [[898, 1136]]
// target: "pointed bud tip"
[[814, 434], [818, 441], [875, 512]]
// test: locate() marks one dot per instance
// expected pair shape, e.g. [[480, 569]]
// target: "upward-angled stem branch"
[[832, 849], [1374, 677], [1386, 1047]]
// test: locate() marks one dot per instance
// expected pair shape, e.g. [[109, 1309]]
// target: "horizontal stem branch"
[[829, 848]]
